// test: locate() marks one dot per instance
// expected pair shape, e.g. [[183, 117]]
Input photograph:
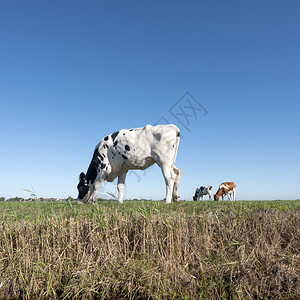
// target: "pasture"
[[150, 250]]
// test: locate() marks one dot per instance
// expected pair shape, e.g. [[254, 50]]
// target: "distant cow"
[[129, 149], [226, 188], [202, 191]]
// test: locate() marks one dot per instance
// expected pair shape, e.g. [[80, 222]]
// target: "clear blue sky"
[[72, 72]]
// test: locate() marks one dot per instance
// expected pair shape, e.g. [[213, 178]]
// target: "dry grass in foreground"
[[223, 253]]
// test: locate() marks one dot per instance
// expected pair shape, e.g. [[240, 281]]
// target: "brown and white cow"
[[226, 188]]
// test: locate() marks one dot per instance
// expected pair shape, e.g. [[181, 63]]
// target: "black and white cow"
[[202, 191], [130, 149]]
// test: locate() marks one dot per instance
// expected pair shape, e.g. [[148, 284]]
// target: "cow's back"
[[231, 185], [138, 148]]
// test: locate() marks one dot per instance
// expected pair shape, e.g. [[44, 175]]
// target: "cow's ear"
[[82, 176]]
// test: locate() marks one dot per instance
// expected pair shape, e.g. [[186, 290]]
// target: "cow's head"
[[195, 197], [216, 197], [83, 188]]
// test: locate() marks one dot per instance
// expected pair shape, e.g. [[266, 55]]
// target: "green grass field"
[[150, 250], [34, 210]]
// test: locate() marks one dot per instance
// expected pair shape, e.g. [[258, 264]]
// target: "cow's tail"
[[177, 131]]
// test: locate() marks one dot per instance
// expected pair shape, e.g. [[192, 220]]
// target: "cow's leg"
[[121, 185], [233, 194], [176, 174], [96, 187], [169, 179], [209, 196], [201, 197]]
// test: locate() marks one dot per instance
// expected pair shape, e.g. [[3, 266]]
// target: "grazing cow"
[[202, 191], [226, 188], [130, 149]]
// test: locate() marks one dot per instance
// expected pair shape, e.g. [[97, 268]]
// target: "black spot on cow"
[[178, 134], [124, 133], [92, 171], [103, 154], [125, 157], [102, 166], [114, 135], [158, 136], [106, 138], [105, 146], [101, 157], [115, 144], [127, 148], [201, 188], [130, 129]]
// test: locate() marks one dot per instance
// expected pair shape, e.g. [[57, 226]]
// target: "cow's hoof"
[[176, 198], [79, 202]]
